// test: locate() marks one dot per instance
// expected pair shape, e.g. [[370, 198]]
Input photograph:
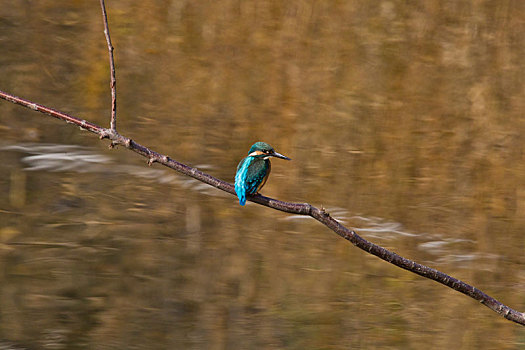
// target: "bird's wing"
[[257, 175]]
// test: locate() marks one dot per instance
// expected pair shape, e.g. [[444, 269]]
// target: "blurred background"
[[403, 119]]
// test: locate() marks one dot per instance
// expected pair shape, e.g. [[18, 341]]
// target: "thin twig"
[[113, 83], [295, 208]]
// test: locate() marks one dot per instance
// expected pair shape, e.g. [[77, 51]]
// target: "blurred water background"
[[403, 119]]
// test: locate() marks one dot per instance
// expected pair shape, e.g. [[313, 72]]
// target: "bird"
[[253, 171]]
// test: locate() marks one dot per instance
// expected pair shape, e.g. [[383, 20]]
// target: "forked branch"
[[295, 208]]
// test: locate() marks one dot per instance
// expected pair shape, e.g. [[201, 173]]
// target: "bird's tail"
[[240, 180], [241, 193]]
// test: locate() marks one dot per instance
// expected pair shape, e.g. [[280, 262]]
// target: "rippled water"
[[403, 120]]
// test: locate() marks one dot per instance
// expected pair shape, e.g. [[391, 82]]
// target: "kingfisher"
[[253, 171]]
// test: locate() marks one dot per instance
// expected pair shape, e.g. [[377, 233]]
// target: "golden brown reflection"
[[404, 119]]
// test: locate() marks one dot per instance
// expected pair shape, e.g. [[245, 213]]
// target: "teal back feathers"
[[253, 171]]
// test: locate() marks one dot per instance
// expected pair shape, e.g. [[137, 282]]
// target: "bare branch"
[[54, 113], [113, 83], [320, 215]]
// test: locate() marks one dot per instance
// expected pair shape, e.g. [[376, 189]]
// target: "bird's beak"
[[279, 155]]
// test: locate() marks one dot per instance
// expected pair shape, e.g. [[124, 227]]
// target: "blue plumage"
[[240, 177], [253, 171]]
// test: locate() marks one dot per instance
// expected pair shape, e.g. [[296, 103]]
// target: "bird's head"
[[264, 150]]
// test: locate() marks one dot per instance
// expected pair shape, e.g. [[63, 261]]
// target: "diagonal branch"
[[295, 208], [113, 82]]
